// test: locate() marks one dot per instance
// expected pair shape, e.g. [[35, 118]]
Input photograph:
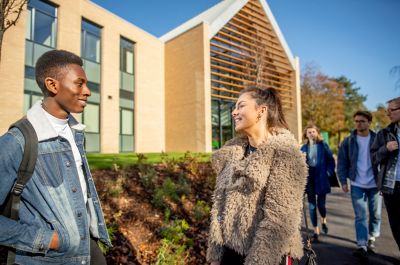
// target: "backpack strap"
[[25, 171], [27, 165]]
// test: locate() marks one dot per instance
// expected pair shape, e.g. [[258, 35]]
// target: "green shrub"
[[167, 214], [170, 163], [171, 254], [175, 232], [117, 186], [182, 185], [168, 190], [191, 162], [201, 210]]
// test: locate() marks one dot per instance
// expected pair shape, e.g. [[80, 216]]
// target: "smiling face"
[[246, 113], [69, 92]]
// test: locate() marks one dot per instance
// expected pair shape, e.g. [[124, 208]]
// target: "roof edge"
[[218, 15]]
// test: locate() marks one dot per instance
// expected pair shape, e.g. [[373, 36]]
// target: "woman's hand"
[[215, 262]]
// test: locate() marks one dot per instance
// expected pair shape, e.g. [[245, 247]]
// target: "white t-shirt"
[[312, 154], [364, 173], [62, 128]]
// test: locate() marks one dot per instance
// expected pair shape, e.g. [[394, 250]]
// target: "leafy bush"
[[171, 254], [169, 191], [171, 164], [117, 185], [201, 210], [175, 232], [147, 173]]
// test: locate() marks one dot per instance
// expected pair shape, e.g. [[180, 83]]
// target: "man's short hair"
[[52, 63], [364, 113], [395, 101]]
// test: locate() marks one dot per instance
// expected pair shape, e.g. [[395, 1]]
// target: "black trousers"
[[231, 257], [96, 256], [392, 203]]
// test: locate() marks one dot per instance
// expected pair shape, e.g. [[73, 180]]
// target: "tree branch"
[[12, 7]]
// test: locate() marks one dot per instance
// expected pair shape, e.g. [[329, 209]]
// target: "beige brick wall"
[[12, 74], [293, 115], [187, 96], [149, 73]]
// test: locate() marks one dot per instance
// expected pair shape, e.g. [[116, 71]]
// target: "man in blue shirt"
[[355, 163]]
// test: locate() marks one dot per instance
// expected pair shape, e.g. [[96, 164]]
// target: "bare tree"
[[10, 12]]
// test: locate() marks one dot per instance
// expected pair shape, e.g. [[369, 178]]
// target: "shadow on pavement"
[[333, 254]]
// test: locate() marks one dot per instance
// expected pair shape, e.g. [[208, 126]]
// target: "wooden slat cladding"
[[247, 51]]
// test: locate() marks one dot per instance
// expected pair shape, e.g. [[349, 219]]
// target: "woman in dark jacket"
[[321, 166]]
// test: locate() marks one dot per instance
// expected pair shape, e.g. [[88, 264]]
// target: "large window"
[[222, 123], [40, 37], [90, 53], [126, 96]]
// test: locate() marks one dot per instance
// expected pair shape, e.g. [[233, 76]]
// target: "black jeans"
[[231, 257], [96, 256], [392, 203]]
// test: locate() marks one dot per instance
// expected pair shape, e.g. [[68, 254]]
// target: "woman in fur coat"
[[321, 166], [261, 177]]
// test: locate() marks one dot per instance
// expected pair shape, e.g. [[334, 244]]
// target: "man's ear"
[[51, 85]]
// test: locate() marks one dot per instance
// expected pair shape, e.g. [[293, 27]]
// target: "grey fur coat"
[[257, 201]]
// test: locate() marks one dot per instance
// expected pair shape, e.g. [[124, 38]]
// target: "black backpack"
[[11, 205]]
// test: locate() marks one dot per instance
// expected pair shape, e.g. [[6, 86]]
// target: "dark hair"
[[270, 98], [51, 64], [364, 113], [312, 126]]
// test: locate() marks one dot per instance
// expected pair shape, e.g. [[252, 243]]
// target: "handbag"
[[333, 180], [311, 256]]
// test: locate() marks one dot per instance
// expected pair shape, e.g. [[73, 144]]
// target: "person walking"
[[355, 164], [321, 166], [261, 176], [386, 161], [60, 217]]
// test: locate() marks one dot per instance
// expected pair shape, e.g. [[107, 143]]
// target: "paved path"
[[336, 248]]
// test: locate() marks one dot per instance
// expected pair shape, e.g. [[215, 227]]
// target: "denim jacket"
[[348, 155], [52, 199]]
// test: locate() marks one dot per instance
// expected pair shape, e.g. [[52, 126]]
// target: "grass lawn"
[[106, 161]]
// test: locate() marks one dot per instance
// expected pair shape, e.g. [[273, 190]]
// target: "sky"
[[359, 39]]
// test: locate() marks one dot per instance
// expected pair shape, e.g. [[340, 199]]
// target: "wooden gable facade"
[[247, 51]]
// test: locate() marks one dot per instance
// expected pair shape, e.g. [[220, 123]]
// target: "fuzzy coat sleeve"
[[218, 162], [282, 208], [214, 252]]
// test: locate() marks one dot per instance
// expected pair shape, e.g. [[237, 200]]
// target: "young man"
[[385, 155], [355, 163], [60, 217]]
